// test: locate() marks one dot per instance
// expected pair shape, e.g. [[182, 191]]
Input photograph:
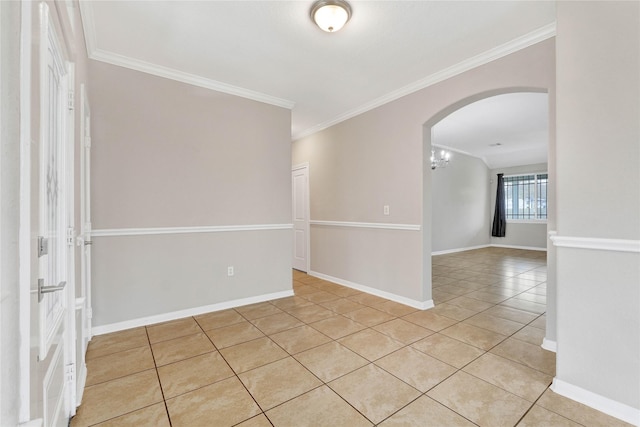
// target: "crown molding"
[[529, 39], [97, 54]]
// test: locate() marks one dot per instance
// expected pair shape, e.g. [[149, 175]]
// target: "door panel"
[[51, 382], [300, 203]]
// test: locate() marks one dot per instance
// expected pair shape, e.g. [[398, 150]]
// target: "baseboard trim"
[[526, 248], [420, 305], [453, 251], [174, 315], [470, 248], [603, 404], [549, 345], [82, 381]]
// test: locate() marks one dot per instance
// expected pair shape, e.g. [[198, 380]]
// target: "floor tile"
[[234, 334], [367, 299], [255, 311], [252, 354], [342, 305], [470, 303], [289, 303], [426, 412], [417, 369], [227, 402], [369, 316], [311, 313], [530, 334], [540, 323], [370, 344], [512, 314], [532, 297], [276, 323], [577, 412], [530, 355], [257, 421], [299, 339], [190, 374], [318, 408], [479, 401], [513, 377], [219, 319], [519, 304], [395, 308], [277, 382], [538, 416], [330, 361], [111, 399], [151, 416], [320, 297], [119, 364], [374, 392], [337, 326], [102, 345], [403, 331], [474, 336], [166, 352], [428, 319], [487, 296], [453, 311], [448, 350], [173, 329], [495, 324]]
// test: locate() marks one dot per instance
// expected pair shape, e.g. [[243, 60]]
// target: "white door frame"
[[26, 249], [307, 230], [83, 303]]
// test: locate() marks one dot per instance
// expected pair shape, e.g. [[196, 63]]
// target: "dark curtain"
[[499, 218]]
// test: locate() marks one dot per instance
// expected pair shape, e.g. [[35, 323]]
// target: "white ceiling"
[[270, 51], [504, 130]]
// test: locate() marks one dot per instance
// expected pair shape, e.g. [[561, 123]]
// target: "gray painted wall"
[[598, 293], [518, 233], [167, 154], [460, 204]]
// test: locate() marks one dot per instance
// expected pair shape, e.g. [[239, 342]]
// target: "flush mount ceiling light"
[[330, 15]]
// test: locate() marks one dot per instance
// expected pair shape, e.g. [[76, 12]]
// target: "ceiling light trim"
[[543, 33]]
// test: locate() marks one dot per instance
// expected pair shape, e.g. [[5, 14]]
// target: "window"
[[526, 196]]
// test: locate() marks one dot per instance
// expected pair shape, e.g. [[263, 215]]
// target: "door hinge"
[[71, 100], [70, 236], [89, 313], [43, 246], [70, 372]]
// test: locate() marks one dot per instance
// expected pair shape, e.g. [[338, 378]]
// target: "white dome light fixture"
[[330, 15]]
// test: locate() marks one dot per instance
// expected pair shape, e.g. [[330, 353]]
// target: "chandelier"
[[439, 160]]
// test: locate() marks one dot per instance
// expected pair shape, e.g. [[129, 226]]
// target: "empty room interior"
[[320, 213]]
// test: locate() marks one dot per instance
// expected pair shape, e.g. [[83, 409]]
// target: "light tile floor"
[[334, 356]]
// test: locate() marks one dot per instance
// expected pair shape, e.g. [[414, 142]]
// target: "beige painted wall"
[[167, 154], [376, 158], [598, 293]]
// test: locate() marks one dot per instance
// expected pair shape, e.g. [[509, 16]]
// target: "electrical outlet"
[[386, 209], [230, 271]]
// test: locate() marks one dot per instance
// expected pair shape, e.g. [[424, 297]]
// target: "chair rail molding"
[[596, 243], [116, 232]]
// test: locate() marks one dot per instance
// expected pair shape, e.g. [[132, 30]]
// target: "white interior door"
[[300, 194], [54, 216]]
